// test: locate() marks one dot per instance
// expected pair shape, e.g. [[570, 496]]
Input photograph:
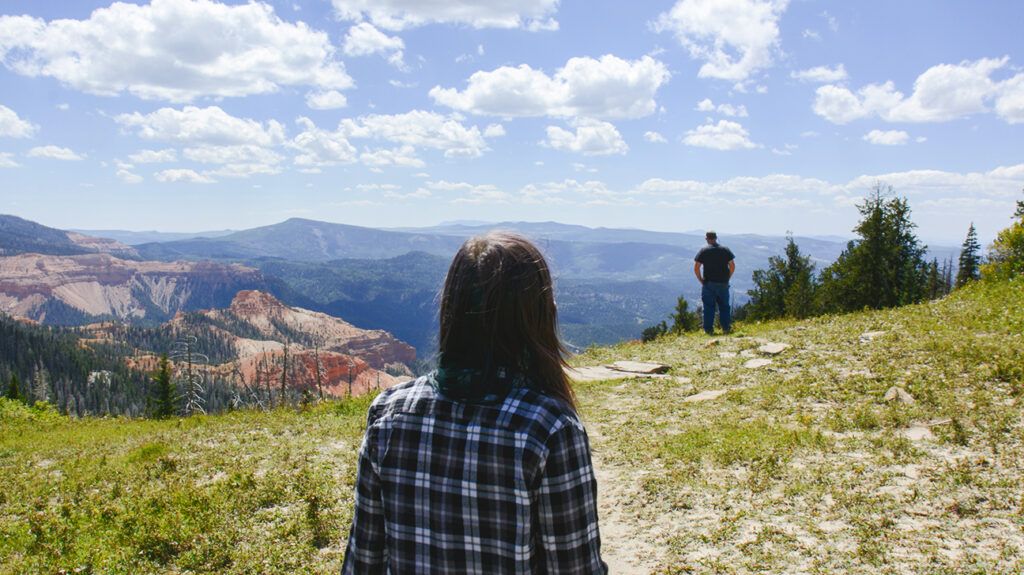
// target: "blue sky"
[[743, 115]]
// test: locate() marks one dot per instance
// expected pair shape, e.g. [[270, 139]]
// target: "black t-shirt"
[[716, 260]]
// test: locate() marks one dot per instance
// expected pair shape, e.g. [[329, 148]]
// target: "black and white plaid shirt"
[[451, 487]]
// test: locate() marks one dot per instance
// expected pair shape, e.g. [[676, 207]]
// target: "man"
[[719, 265]]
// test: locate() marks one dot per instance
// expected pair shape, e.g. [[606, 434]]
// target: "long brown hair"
[[498, 309]]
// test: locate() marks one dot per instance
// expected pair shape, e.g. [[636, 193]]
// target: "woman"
[[483, 465]]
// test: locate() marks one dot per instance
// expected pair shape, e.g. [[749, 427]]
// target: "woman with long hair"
[[482, 466]]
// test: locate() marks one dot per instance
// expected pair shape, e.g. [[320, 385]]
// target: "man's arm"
[[732, 268], [696, 272]]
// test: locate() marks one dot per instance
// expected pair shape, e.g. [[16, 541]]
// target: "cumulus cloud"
[[11, 126], [318, 148], [154, 156], [55, 153], [401, 156], [942, 93], [654, 138], [1010, 100], [608, 87], [821, 74], [128, 177], [706, 105], [201, 125], [174, 50], [887, 138], [724, 135], [466, 193], [238, 161], [533, 15], [591, 138], [329, 100], [181, 175], [7, 160], [734, 38], [364, 39]]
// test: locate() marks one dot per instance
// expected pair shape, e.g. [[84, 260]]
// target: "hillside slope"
[[800, 465]]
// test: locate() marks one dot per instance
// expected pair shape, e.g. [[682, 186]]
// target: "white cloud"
[[64, 106], [887, 138], [724, 135], [1010, 100], [654, 137], [942, 93], [128, 177], [811, 34], [240, 154], [821, 74], [494, 131], [179, 175], [318, 148], [7, 160], [469, 193], [11, 126], [364, 39], [734, 38], [592, 138], [706, 105], [329, 100], [174, 50], [54, 153], [201, 125], [609, 87], [402, 156], [420, 129], [570, 191], [532, 15], [154, 156]]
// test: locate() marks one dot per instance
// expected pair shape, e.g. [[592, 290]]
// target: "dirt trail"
[[625, 543]]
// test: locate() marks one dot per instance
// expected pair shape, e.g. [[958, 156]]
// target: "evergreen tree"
[[970, 259], [40, 385], [885, 267], [936, 287], [786, 288], [1020, 210], [654, 332], [683, 320], [13, 389], [163, 400]]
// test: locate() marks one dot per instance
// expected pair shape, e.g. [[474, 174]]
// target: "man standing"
[[719, 265]]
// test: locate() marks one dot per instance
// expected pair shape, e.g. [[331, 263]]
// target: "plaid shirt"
[[451, 487]]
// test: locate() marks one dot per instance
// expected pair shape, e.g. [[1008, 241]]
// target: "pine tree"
[[40, 385], [786, 288], [13, 389], [885, 267], [683, 320], [935, 283], [163, 401], [1019, 213], [970, 260]]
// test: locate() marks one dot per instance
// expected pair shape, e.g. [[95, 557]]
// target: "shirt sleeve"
[[731, 256], [568, 539], [366, 553], [699, 257]]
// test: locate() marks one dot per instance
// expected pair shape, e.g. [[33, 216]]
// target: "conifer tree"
[[786, 288], [163, 400], [40, 385], [885, 267], [13, 389], [683, 320], [970, 259]]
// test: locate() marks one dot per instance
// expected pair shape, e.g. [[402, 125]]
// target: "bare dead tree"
[[318, 341], [184, 353]]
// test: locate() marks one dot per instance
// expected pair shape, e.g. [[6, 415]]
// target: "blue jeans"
[[716, 294]]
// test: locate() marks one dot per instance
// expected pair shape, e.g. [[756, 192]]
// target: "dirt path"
[[625, 543]]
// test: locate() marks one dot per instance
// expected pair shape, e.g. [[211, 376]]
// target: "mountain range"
[[610, 283]]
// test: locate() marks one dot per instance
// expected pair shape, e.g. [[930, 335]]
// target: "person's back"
[[475, 488], [714, 266], [482, 466]]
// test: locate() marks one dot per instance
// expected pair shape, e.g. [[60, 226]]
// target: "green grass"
[[799, 467]]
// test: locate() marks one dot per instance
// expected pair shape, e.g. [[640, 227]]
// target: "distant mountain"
[[135, 238], [302, 240], [20, 236]]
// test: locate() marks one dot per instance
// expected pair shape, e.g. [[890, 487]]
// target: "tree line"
[[884, 267]]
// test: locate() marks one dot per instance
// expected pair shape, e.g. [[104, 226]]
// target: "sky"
[[746, 116]]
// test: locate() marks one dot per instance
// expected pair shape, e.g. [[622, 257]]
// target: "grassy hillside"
[[797, 466]]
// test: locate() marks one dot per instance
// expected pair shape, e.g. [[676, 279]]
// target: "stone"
[[773, 348], [869, 336], [895, 393], [748, 353], [727, 354], [639, 367], [918, 433], [603, 373], [705, 395], [757, 363]]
